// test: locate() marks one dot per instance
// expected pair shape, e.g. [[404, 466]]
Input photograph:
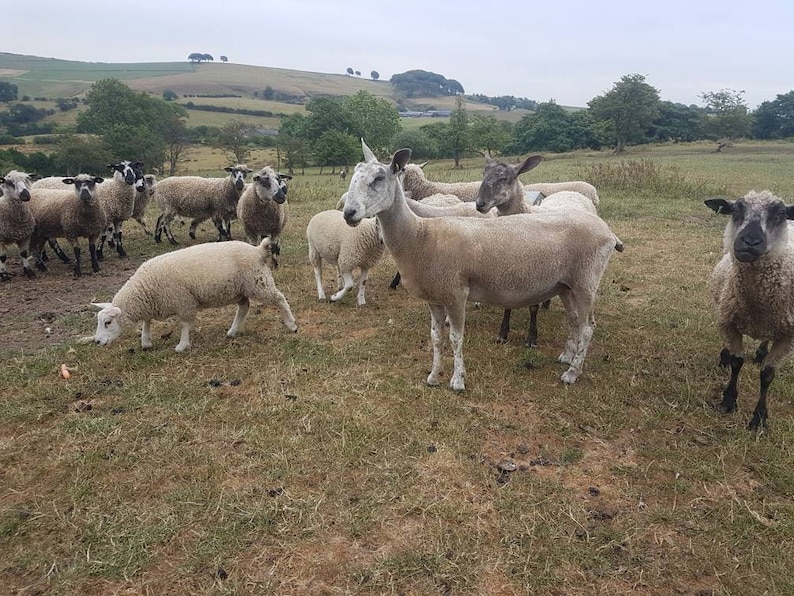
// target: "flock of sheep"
[[495, 241]]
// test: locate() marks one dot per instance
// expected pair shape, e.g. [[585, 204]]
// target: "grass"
[[331, 467]]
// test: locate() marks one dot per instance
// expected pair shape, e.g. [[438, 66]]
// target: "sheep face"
[[84, 185], [15, 185], [238, 174], [108, 326], [129, 171], [499, 180], [270, 186], [758, 225], [373, 185]]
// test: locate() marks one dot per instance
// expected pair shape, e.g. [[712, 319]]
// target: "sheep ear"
[[423, 164], [721, 206], [400, 160], [101, 305], [68, 180], [369, 156], [489, 161], [98, 180], [529, 163], [789, 211]]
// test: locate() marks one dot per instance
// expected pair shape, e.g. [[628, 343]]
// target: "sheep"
[[70, 214], [415, 182], [184, 281], [507, 261], [142, 201], [549, 188], [332, 240], [752, 287], [263, 209], [502, 190], [199, 198], [117, 197], [16, 220]]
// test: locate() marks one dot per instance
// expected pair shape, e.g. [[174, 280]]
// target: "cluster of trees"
[[8, 92], [199, 57], [505, 102], [329, 134], [422, 83]]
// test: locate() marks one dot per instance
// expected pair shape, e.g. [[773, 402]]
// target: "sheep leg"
[[4, 274], [221, 232], [193, 227], [76, 249], [228, 223], [58, 251], [457, 321], [100, 251], [158, 229], [573, 327], [318, 278], [776, 356], [92, 252], [761, 352], [119, 246], [732, 343], [275, 249], [184, 338], [164, 225], [437, 317], [395, 282], [504, 328], [239, 317], [532, 334], [26, 256], [347, 276], [146, 335], [362, 287], [142, 222]]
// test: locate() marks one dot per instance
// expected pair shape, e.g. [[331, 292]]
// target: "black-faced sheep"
[[16, 220]]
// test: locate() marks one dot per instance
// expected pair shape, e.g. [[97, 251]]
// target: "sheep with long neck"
[[506, 261]]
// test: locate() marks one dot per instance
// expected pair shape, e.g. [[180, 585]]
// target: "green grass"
[[332, 467]]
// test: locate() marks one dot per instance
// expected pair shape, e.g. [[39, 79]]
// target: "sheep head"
[[499, 182], [108, 326]]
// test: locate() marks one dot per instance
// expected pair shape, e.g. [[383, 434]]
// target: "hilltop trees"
[[423, 83], [630, 107], [199, 57], [375, 75]]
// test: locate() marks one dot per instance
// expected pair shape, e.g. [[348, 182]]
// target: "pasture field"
[[320, 462]]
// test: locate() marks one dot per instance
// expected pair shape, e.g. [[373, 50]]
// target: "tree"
[[224, 59], [176, 138], [335, 148], [169, 95], [423, 145], [421, 83], [630, 107], [775, 119], [196, 57], [82, 153], [458, 134], [268, 93], [488, 134], [548, 129], [371, 118], [349, 70], [728, 115], [207, 57], [678, 123], [233, 137], [8, 92], [358, 73], [291, 143], [375, 75]]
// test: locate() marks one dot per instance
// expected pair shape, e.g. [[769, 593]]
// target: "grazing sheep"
[[415, 182], [117, 197], [263, 209], [502, 190], [16, 220], [200, 199], [507, 261], [184, 281], [549, 188], [70, 214], [753, 289], [346, 248]]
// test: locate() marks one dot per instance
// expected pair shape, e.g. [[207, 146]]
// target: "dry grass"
[[332, 468]]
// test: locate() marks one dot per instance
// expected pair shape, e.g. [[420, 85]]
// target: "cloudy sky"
[[569, 51]]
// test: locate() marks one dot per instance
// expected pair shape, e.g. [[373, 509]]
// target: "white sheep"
[[263, 209], [200, 199], [753, 290], [549, 188], [70, 214], [16, 220], [184, 281], [507, 261], [332, 240], [501, 190], [117, 197], [415, 182]]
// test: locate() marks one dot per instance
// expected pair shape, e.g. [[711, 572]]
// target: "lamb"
[[332, 240], [263, 209], [142, 202], [415, 182], [549, 188], [70, 214], [200, 199], [117, 197], [753, 290], [507, 261], [184, 281], [16, 220], [502, 190]]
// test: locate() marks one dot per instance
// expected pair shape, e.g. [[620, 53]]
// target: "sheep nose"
[[24, 194], [350, 215]]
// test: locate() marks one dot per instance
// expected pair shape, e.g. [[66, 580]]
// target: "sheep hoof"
[[569, 377], [175, 243], [500, 339], [4, 276], [457, 385], [432, 380], [530, 344], [181, 347], [726, 407], [725, 358], [758, 422], [191, 234], [29, 273]]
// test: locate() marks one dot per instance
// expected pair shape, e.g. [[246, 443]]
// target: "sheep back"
[[197, 197], [332, 240], [549, 188], [415, 182]]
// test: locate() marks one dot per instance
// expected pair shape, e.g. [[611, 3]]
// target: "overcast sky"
[[569, 51]]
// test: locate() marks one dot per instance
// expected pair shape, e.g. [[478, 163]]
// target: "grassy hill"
[[51, 78]]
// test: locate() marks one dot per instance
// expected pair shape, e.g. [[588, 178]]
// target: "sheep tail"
[[619, 244]]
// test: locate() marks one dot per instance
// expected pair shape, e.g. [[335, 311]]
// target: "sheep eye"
[[379, 178], [107, 323]]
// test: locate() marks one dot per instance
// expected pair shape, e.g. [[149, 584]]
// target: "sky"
[[569, 51]]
